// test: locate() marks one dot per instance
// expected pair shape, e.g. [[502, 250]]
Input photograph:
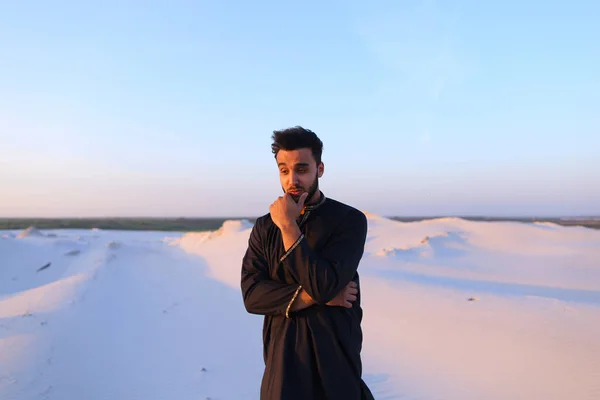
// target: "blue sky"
[[141, 108]]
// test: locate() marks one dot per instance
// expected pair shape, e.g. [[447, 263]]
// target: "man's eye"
[[302, 170], [283, 171]]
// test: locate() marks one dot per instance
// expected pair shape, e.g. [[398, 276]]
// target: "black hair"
[[297, 138]]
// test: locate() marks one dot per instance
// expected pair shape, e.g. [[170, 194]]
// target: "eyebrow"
[[301, 164]]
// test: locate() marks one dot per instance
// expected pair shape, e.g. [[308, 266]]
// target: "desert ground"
[[453, 309]]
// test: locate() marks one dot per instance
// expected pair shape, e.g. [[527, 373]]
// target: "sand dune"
[[29, 232], [132, 315]]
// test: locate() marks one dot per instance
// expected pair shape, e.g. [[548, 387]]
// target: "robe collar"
[[314, 206], [308, 208]]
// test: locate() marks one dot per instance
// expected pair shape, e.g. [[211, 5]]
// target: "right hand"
[[346, 296]]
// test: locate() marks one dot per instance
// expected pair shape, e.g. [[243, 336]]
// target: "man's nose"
[[294, 178]]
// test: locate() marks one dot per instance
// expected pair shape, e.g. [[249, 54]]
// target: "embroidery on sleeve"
[[287, 310], [287, 253]]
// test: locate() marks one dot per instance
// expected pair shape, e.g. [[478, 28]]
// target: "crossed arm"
[[323, 278]]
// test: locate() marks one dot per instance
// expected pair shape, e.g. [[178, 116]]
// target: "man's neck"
[[315, 199]]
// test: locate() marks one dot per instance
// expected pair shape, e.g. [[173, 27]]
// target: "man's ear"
[[321, 169]]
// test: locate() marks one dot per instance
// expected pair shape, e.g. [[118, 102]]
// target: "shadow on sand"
[[499, 288]]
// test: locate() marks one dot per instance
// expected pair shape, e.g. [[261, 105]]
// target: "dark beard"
[[311, 191]]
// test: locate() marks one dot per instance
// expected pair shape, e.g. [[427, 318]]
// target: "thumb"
[[302, 199]]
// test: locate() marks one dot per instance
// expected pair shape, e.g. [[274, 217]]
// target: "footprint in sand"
[[169, 308], [113, 245]]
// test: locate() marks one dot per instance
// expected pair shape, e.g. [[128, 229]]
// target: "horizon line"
[[419, 216]]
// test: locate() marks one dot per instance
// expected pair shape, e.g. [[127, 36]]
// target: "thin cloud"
[[416, 43]]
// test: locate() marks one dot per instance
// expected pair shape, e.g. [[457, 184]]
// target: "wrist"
[[288, 226], [305, 297]]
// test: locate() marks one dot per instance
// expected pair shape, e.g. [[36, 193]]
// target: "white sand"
[[149, 315]]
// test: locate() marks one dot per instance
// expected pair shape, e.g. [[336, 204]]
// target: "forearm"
[[290, 234], [267, 297], [263, 295]]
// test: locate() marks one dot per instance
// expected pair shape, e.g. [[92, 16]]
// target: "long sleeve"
[[262, 295], [325, 274]]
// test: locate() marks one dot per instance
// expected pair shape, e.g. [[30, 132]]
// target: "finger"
[[302, 199], [353, 284], [352, 291], [351, 297], [347, 304]]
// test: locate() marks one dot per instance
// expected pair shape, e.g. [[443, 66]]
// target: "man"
[[300, 272]]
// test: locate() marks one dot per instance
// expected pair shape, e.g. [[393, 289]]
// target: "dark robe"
[[310, 354]]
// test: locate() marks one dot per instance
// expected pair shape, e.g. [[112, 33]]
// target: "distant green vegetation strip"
[[210, 224], [130, 224]]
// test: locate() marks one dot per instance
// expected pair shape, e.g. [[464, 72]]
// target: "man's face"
[[299, 173]]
